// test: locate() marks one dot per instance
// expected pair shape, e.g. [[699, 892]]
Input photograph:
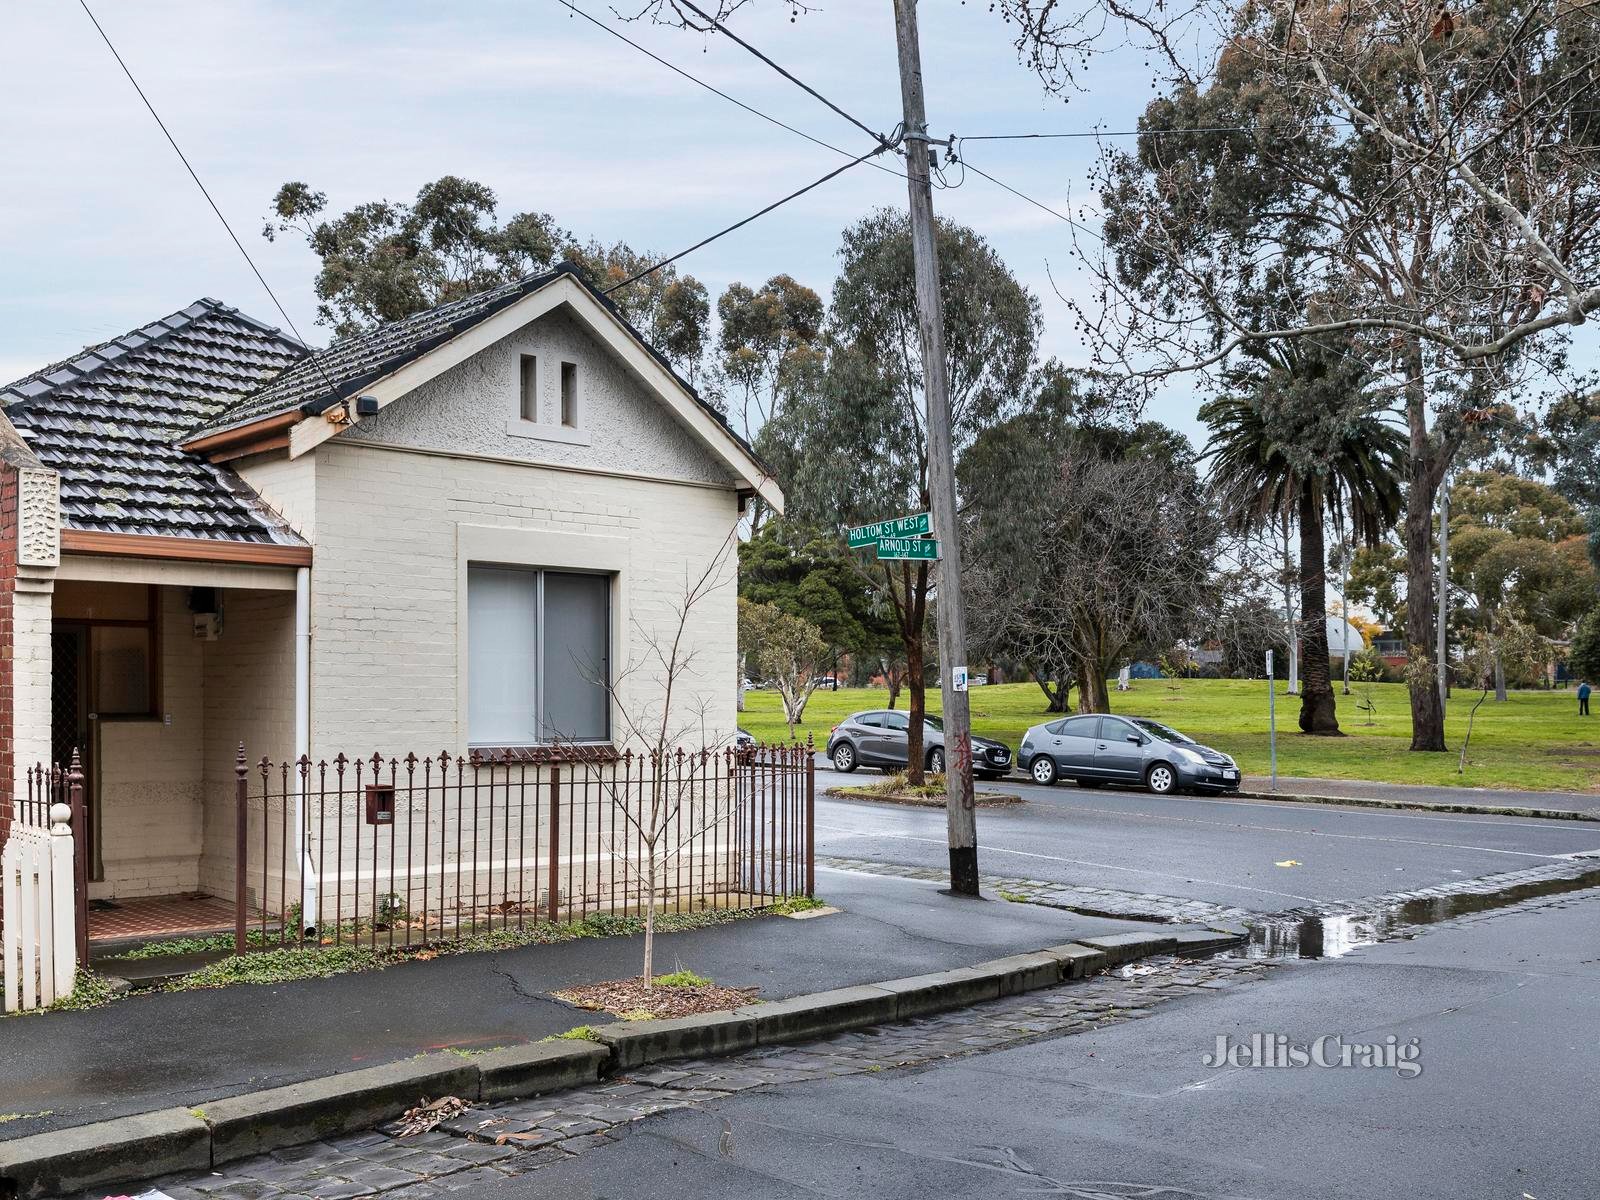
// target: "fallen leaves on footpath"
[[426, 1117]]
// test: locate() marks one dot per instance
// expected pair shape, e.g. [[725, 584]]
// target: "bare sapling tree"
[[668, 798]]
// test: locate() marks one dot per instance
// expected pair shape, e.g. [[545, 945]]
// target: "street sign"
[[958, 679], [915, 525], [907, 547]]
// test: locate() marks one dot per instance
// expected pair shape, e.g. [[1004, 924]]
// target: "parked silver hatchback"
[[1093, 750]]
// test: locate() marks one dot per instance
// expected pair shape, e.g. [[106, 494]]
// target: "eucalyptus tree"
[[853, 449], [1421, 176], [382, 260], [1299, 443]]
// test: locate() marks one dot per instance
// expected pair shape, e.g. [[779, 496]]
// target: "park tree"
[[1299, 443], [1583, 656], [1414, 176], [383, 260], [807, 573], [1518, 557], [788, 651], [853, 450], [1087, 544]]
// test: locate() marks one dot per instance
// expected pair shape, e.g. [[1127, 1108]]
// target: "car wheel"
[[936, 760], [844, 757], [1161, 779], [1043, 770]]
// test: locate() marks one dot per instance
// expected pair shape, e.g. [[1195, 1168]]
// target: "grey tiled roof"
[[110, 420], [344, 368]]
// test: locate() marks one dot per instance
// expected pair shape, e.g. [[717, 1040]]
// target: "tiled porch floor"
[[159, 916]]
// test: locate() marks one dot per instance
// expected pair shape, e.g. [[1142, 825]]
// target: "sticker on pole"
[[958, 679]]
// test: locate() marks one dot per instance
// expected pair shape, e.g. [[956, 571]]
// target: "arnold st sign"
[[916, 525], [900, 547]]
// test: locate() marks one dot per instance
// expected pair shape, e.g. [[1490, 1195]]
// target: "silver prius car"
[[1092, 750]]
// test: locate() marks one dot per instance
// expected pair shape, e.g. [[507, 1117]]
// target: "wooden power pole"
[[962, 818]]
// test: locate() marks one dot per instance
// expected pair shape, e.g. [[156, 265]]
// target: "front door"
[[70, 725]]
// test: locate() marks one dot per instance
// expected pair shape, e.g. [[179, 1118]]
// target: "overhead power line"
[[1039, 204], [706, 241], [799, 83], [716, 91], [183, 158]]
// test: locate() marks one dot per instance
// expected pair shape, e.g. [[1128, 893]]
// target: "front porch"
[[158, 918], [157, 671]]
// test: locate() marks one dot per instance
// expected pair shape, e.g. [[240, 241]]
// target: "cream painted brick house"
[[459, 531]]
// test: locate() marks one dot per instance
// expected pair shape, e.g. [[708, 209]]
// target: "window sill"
[[592, 752], [538, 431]]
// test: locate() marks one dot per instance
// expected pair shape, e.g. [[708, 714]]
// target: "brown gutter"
[[269, 433], [138, 545]]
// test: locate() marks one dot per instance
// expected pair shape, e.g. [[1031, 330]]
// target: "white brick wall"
[[388, 593]]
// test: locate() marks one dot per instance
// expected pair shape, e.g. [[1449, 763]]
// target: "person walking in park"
[[1583, 698]]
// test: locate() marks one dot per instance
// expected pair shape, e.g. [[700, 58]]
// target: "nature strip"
[[198, 1138]]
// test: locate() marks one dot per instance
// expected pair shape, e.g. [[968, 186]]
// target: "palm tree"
[[1300, 440]]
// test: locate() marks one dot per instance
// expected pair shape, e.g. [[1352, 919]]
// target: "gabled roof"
[[109, 420], [317, 381], [348, 367]]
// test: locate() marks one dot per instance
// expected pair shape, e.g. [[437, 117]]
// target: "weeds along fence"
[[397, 852]]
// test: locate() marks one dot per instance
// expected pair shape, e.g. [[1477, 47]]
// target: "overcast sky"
[[101, 230]]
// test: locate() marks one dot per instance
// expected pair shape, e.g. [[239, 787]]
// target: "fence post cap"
[[60, 819]]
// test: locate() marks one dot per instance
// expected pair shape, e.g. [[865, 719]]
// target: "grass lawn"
[[1535, 740]]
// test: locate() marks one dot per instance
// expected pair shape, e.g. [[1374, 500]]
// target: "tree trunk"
[[891, 677], [916, 709], [1055, 691], [738, 679], [1092, 694], [1317, 712], [1424, 470], [1499, 678], [649, 926]]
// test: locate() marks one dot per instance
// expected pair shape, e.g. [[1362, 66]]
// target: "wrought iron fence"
[[398, 852]]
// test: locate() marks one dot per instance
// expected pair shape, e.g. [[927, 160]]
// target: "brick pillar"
[[30, 551]]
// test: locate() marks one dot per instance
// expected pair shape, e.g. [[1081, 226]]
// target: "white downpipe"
[[302, 736]]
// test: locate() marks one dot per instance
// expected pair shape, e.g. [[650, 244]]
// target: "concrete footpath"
[[156, 1051], [1505, 801]]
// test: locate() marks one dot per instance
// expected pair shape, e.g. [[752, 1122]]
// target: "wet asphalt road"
[[1505, 1007], [1223, 851]]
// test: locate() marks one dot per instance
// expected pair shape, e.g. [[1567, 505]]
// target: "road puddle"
[[1335, 934]]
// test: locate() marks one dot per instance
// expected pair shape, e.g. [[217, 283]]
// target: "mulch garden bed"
[[630, 998]]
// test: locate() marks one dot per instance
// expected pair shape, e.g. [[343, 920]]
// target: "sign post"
[[1272, 721]]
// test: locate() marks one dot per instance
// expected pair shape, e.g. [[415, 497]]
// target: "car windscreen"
[[933, 723], [1165, 733]]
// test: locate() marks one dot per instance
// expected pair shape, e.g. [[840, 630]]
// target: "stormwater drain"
[[1332, 933]]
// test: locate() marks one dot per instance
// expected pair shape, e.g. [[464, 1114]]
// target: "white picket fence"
[[37, 917]]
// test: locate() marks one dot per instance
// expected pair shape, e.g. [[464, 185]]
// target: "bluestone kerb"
[[219, 1131]]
